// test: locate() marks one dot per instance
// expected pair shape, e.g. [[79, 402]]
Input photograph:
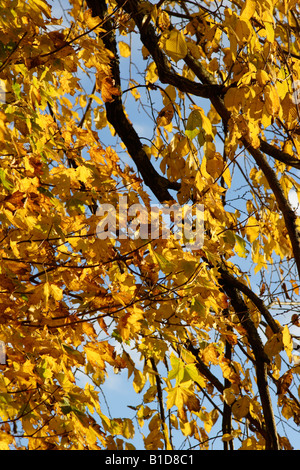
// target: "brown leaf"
[[14, 201], [193, 403], [166, 115], [34, 62], [6, 284], [295, 319], [58, 39], [17, 267], [262, 289], [284, 383], [108, 90]]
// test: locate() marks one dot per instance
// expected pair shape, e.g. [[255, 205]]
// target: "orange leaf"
[[295, 319], [108, 90], [58, 39], [15, 200], [284, 383]]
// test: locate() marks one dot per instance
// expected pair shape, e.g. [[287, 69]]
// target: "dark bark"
[[260, 358]]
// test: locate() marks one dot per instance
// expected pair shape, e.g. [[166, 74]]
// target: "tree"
[[180, 104]]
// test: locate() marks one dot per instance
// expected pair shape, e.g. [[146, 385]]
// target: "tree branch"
[[158, 184], [161, 404], [237, 284], [289, 215], [204, 370], [261, 360], [279, 155], [166, 74]]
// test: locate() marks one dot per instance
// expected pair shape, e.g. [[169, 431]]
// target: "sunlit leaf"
[[174, 44]]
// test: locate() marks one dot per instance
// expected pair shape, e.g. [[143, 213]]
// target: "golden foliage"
[[76, 305]]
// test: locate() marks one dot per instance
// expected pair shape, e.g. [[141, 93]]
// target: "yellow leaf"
[[90, 21], [191, 371], [169, 95], [94, 356], [210, 354], [274, 345], [83, 173], [235, 98], [243, 31], [125, 49], [163, 20], [262, 77], [173, 42], [228, 396], [133, 89], [6, 439], [128, 428], [228, 371], [270, 31], [56, 292], [253, 229], [186, 428], [215, 166], [287, 342], [138, 381], [240, 408], [41, 5], [240, 246], [166, 435], [288, 410], [205, 122], [176, 397], [226, 175], [46, 289], [248, 9], [272, 102], [192, 403], [151, 74], [250, 444], [165, 116]]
